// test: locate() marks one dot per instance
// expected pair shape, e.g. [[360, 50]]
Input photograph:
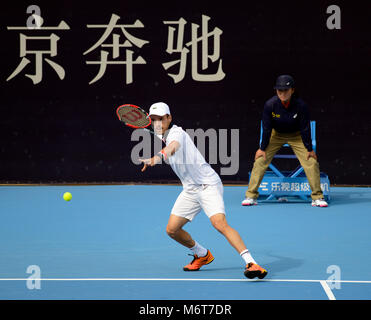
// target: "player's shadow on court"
[[210, 269], [282, 264]]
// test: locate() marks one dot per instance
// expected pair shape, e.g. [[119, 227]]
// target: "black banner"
[[67, 66]]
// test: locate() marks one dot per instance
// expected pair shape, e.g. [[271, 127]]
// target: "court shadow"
[[210, 269], [282, 264], [290, 202], [341, 198]]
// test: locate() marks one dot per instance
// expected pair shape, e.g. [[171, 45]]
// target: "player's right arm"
[[171, 148], [165, 153]]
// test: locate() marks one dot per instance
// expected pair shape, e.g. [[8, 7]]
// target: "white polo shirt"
[[188, 163]]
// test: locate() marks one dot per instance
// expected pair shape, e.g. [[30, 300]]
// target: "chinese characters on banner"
[[38, 54], [293, 186], [116, 48], [193, 44]]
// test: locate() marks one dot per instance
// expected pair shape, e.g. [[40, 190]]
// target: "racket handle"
[[154, 134]]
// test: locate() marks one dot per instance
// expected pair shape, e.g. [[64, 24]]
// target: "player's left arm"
[[165, 153]]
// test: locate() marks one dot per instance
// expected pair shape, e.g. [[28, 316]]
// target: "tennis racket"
[[135, 117]]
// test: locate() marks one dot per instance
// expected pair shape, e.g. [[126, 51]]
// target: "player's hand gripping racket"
[[135, 117]]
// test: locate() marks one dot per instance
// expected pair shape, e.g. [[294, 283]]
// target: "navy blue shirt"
[[294, 118]]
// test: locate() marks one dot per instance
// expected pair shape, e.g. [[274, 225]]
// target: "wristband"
[[162, 154]]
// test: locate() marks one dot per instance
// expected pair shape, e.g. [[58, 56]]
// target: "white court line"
[[328, 290], [323, 283], [182, 279]]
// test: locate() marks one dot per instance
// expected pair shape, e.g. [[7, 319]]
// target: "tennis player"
[[285, 120], [202, 189]]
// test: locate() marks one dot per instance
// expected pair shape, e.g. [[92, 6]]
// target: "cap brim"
[[157, 114], [282, 87]]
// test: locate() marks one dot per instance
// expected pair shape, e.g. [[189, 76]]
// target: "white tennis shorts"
[[206, 197]]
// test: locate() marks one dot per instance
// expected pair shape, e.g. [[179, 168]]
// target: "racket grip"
[[156, 135]]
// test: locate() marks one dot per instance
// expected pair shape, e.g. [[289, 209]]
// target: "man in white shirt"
[[202, 189]]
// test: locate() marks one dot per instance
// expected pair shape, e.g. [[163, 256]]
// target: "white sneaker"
[[249, 202], [319, 203]]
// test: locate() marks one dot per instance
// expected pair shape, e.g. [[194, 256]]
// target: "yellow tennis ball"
[[67, 196]]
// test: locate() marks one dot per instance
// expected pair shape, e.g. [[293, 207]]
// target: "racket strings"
[[133, 116]]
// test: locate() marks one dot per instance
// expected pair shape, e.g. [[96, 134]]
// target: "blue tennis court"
[[109, 242]]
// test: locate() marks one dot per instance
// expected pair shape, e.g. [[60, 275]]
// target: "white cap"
[[159, 109]]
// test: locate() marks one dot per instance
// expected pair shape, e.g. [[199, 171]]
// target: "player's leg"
[[260, 166], [252, 269], [175, 231], [219, 222], [310, 166], [212, 202], [186, 207]]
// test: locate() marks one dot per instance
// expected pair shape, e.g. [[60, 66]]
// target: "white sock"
[[247, 256], [199, 250]]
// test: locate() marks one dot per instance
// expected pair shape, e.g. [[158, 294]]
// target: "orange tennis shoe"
[[198, 262], [254, 270]]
